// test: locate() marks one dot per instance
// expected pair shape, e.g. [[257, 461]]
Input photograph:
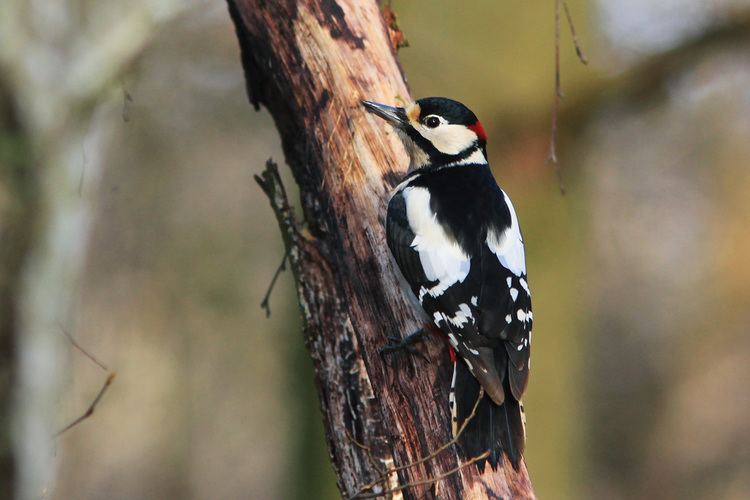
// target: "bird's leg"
[[396, 344]]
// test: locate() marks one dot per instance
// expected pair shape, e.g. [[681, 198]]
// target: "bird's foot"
[[408, 344]]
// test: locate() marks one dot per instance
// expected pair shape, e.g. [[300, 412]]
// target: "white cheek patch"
[[448, 139]]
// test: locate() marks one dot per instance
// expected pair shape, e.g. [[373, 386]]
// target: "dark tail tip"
[[495, 428]]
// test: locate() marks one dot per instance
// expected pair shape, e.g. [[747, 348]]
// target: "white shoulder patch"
[[441, 257], [508, 246]]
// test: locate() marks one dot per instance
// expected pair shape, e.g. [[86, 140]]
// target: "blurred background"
[[129, 220]]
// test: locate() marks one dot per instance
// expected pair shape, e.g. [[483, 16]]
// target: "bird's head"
[[436, 131]]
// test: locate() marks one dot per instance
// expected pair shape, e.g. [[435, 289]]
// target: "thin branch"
[[367, 450], [579, 50], [552, 156], [84, 161], [388, 472], [90, 410], [107, 382], [265, 303], [270, 182], [429, 480], [83, 351], [127, 100]]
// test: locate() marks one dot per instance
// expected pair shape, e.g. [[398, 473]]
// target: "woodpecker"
[[456, 239]]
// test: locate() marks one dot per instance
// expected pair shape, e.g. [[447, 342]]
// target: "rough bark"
[[310, 63]]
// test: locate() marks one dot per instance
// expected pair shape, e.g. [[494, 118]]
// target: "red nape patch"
[[452, 354], [479, 130]]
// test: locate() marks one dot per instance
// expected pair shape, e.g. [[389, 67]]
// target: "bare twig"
[[84, 161], [127, 100], [265, 303], [579, 50], [83, 351], [270, 182], [429, 480], [91, 408], [552, 156], [107, 382], [388, 472], [367, 450]]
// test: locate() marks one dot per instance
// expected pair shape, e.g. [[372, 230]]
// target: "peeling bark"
[[310, 63]]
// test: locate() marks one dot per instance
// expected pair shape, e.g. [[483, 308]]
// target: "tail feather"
[[497, 428]]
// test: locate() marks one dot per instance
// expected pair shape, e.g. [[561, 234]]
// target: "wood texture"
[[310, 63]]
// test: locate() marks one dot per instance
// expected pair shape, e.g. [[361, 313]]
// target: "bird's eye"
[[432, 121]]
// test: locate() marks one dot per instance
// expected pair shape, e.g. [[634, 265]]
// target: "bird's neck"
[[423, 161]]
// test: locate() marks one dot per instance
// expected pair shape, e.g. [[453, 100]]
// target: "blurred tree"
[[58, 71], [17, 188], [664, 415]]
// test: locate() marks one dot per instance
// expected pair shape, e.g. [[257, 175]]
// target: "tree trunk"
[[310, 63]]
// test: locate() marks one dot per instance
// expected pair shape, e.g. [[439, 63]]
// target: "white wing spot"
[[438, 317], [521, 315], [513, 294], [509, 281], [463, 315], [453, 339], [474, 301], [508, 318], [525, 286]]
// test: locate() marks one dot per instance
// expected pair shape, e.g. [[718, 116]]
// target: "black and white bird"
[[455, 236]]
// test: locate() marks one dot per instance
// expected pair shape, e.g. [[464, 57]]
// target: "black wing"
[[449, 294], [505, 313]]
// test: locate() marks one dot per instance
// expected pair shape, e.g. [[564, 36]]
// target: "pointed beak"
[[394, 116]]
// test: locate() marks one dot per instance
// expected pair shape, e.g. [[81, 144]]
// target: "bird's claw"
[[397, 344]]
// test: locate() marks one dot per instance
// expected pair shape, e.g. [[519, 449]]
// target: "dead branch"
[[552, 155], [265, 303], [82, 350], [92, 407], [107, 382]]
